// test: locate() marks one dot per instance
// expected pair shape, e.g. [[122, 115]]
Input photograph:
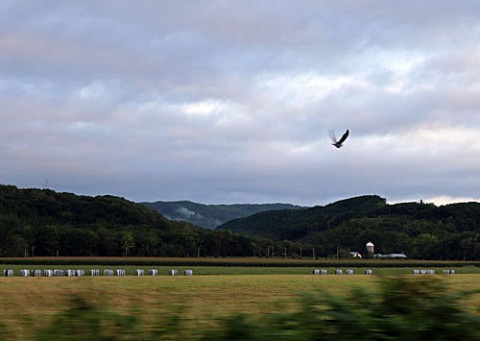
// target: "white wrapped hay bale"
[[139, 272], [369, 272], [70, 273], [349, 272], [172, 272], [152, 272], [452, 272], [8, 273], [58, 273], [120, 272], [79, 273], [319, 271], [187, 272], [108, 272], [338, 272], [94, 272], [37, 273], [416, 272], [24, 273], [47, 273]]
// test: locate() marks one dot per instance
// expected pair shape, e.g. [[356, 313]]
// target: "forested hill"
[[36, 222], [420, 230], [210, 216], [296, 224]]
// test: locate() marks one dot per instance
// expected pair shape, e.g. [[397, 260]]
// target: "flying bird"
[[338, 143]]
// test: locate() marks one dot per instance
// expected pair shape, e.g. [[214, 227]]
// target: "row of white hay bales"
[[92, 272], [432, 272], [339, 272], [370, 272]]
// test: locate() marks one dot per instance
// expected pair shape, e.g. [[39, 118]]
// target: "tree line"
[[41, 222], [420, 230]]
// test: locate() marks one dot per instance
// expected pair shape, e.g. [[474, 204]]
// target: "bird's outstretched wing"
[[332, 136], [338, 143], [344, 137]]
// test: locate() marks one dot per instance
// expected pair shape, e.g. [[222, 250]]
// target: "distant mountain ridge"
[[211, 216], [294, 225]]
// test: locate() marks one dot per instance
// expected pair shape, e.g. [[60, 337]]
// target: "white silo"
[[370, 248]]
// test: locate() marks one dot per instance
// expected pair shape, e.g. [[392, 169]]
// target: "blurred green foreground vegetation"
[[400, 308]]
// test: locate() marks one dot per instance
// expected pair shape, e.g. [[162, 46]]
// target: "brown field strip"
[[29, 303]]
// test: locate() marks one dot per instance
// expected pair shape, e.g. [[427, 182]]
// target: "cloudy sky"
[[231, 101]]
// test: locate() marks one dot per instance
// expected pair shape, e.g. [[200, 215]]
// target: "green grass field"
[[241, 270]]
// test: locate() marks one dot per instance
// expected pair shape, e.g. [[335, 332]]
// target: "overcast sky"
[[231, 101]]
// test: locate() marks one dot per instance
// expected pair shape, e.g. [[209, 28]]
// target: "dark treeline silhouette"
[[41, 222], [420, 230]]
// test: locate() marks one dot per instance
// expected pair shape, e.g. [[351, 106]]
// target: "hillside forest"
[[42, 222], [211, 216], [419, 230]]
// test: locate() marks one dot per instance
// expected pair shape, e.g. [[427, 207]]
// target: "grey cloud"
[[224, 101]]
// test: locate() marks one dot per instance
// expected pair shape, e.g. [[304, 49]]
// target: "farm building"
[[370, 247], [355, 254], [392, 255]]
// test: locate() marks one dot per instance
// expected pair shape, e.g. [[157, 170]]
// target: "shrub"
[[403, 309], [85, 321]]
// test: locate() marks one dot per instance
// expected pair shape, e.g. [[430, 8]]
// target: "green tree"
[[47, 241], [108, 242], [425, 246], [128, 242]]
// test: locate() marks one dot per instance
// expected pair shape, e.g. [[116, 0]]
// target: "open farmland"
[[30, 304]]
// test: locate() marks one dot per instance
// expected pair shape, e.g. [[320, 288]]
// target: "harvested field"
[[28, 304]]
